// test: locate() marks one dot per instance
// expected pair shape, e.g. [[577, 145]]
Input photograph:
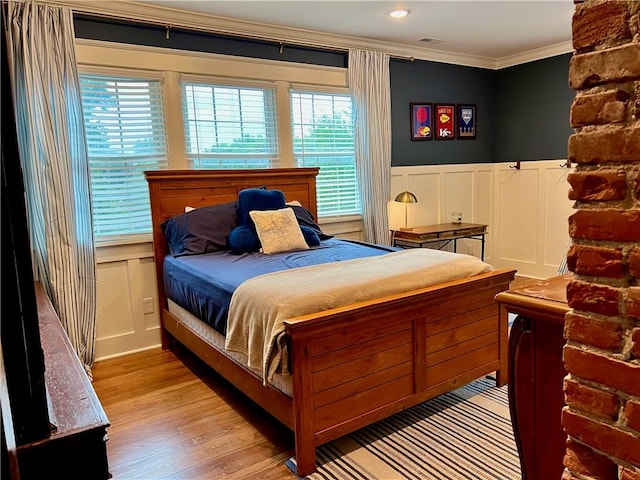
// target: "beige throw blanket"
[[259, 306]]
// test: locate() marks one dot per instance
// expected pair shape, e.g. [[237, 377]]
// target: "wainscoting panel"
[[125, 277], [113, 303], [428, 188], [459, 195], [558, 208], [531, 218], [517, 221], [484, 196]]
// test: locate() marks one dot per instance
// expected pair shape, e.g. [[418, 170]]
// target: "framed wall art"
[[445, 120], [466, 116], [421, 121]]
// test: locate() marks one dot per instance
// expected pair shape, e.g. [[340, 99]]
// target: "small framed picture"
[[421, 121], [445, 121], [466, 126]]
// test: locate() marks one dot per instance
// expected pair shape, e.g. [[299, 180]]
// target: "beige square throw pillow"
[[278, 230]]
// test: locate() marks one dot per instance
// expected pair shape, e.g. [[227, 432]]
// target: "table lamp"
[[406, 197]]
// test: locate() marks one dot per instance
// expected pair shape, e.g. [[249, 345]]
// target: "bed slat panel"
[[459, 349], [362, 349], [460, 364], [361, 367], [469, 303], [350, 331], [346, 390], [362, 402], [462, 334], [442, 325]]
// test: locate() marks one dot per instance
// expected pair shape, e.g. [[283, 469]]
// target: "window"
[[229, 126], [323, 137], [125, 131]]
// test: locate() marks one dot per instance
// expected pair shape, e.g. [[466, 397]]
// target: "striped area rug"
[[462, 435]]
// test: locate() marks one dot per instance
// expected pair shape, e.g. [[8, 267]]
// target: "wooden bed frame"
[[354, 365]]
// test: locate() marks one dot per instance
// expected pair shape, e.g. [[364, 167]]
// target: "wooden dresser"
[[536, 373], [76, 448]]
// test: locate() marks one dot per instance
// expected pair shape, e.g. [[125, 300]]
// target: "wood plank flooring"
[[172, 417]]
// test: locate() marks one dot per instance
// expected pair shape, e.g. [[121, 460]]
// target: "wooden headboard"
[[171, 190]]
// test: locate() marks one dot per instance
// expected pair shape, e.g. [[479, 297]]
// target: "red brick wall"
[[602, 353]]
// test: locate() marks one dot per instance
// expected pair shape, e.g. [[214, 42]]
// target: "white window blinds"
[[229, 126], [125, 131], [323, 137]]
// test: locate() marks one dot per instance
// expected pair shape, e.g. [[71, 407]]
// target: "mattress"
[[203, 284]]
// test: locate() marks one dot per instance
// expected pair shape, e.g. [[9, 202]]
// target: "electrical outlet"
[[147, 305]]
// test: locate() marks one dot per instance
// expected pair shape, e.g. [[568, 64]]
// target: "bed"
[[391, 352]]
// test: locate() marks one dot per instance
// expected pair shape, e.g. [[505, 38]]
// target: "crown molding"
[[533, 55], [174, 18]]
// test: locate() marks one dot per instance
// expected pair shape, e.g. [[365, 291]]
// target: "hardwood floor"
[[173, 417]]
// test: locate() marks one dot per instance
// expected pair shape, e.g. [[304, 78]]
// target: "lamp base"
[[406, 229]]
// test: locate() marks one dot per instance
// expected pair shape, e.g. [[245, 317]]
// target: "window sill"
[[339, 219], [116, 241]]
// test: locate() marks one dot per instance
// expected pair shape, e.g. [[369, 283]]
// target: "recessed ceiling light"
[[398, 13]]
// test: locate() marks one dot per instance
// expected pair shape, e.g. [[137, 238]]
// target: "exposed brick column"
[[602, 353]]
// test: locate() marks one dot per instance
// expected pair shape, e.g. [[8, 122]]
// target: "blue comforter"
[[204, 284]]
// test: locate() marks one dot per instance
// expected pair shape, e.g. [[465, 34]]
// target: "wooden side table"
[[418, 237], [536, 373]]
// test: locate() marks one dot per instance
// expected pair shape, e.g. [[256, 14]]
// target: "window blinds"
[[125, 131], [229, 126], [323, 136]]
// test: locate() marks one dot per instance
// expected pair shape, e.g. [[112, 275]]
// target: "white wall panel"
[[150, 290], [458, 195], [427, 187], [113, 301], [517, 219], [532, 211], [484, 197], [125, 275], [558, 208]]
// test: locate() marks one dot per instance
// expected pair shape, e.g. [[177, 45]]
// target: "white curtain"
[[55, 166], [370, 87]]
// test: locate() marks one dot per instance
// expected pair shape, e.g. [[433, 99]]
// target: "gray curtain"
[[369, 83], [55, 166]]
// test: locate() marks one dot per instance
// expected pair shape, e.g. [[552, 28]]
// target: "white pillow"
[[278, 230]]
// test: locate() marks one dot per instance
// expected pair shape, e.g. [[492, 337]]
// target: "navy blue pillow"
[[310, 236], [258, 199], [202, 230], [243, 239], [305, 219]]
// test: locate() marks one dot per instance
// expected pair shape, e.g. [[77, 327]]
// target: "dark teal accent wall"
[[432, 82], [522, 111], [151, 35], [533, 102]]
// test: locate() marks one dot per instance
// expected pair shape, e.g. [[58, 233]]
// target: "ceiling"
[[489, 29]]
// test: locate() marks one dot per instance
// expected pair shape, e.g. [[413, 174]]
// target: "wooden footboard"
[[358, 364], [353, 365]]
